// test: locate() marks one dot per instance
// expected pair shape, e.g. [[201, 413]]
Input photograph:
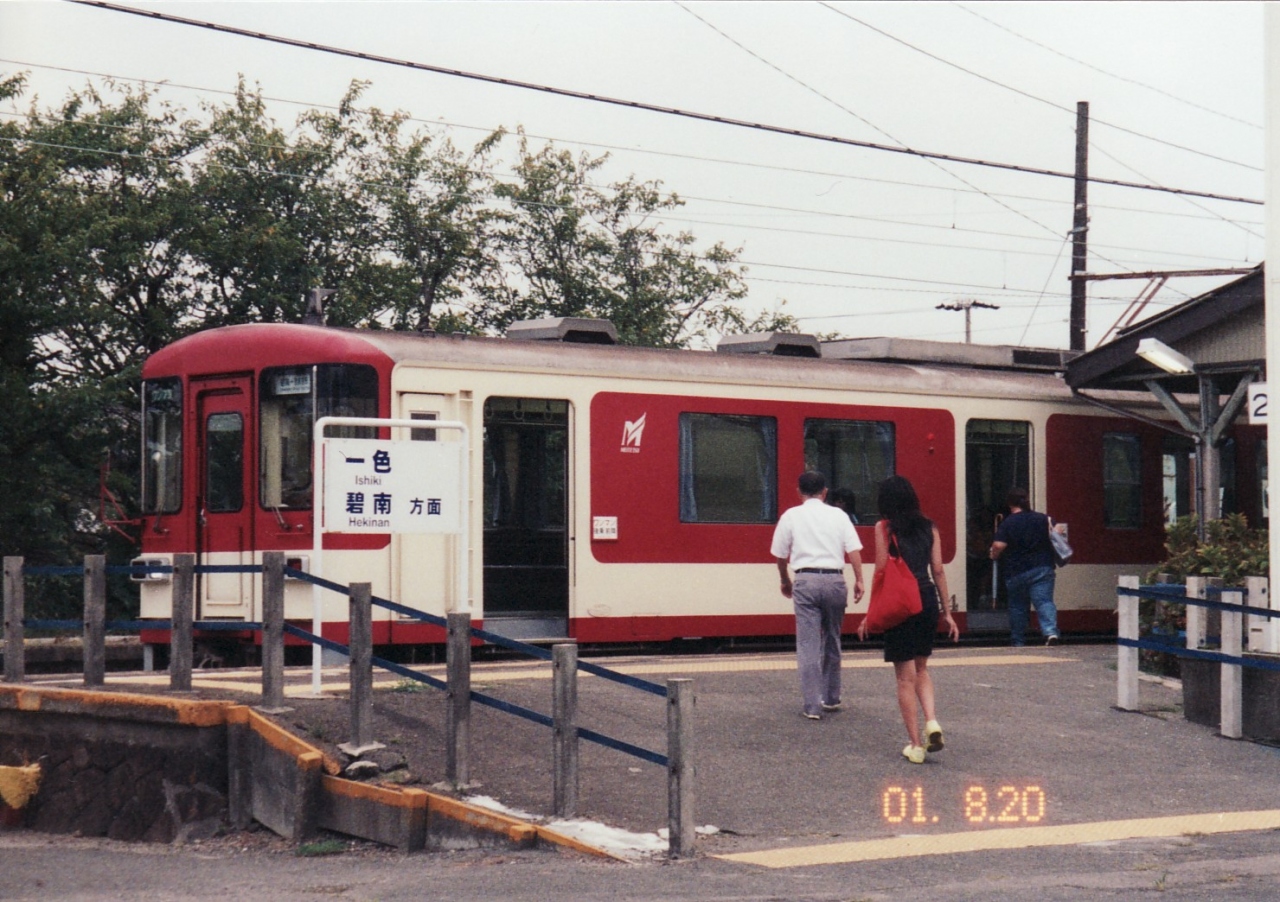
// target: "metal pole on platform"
[[14, 602], [95, 617], [680, 768], [565, 728]]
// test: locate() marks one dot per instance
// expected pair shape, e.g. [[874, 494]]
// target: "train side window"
[[1262, 479], [422, 435], [1176, 456], [728, 468], [1121, 480], [224, 455], [854, 455], [292, 398], [162, 439]]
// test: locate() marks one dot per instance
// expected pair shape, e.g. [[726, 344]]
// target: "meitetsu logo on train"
[[631, 433]]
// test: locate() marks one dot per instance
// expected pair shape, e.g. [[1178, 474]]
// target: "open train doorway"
[[526, 517], [997, 458]]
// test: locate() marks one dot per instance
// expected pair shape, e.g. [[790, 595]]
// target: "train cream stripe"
[[1013, 838]]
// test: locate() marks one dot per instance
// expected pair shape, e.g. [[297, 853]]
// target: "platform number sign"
[[374, 486], [1258, 404]]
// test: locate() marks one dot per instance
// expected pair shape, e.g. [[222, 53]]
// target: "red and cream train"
[[625, 494]]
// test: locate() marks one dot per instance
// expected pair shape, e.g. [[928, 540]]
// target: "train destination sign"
[[377, 486]]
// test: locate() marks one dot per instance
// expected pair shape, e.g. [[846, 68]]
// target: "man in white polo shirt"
[[816, 540]]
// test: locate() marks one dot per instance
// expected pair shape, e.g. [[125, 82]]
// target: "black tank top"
[[917, 551]]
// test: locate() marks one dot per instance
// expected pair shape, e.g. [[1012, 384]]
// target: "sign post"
[[381, 486]]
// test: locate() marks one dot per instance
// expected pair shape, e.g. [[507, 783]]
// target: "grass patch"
[[318, 849]]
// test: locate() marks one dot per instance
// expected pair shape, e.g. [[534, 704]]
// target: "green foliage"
[[1230, 550], [127, 223]]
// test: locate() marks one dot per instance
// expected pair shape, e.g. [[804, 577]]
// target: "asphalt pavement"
[[1044, 791]]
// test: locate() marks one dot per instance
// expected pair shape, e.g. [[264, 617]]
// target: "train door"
[[224, 503], [997, 458], [424, 567], [526, 517]]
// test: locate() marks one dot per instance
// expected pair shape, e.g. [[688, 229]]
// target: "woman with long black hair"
[[908, 645]]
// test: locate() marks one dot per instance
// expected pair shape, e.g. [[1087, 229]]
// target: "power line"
[[865, 121], [637, 105], [1030, 96], [1132, 81], [750, 164]]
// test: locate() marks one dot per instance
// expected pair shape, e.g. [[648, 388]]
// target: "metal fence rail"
[[566, 666], [1230, 604]]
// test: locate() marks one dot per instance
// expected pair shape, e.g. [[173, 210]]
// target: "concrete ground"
[[1044, 791]]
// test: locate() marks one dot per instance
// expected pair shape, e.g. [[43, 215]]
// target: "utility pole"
[[1080, 229], [967, 306]]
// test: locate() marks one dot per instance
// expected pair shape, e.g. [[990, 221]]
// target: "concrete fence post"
[[184, 602], [1264, 632], [458, 696], [273, 631], [1213, 617], [1195, 613], [14, 602], [1127, 657], [95, 618], [565, 728], [680, 768], [1232, 679], [360, 646]]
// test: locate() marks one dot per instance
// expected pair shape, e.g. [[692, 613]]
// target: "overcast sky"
[[856, 241]]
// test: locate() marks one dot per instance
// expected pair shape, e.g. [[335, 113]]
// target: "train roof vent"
[[779, 344], [564, 328]]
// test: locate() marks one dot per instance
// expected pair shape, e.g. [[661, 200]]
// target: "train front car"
[[621, 494], [227, 472]]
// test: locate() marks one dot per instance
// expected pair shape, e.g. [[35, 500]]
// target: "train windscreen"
[[292, 398], [162, 445]]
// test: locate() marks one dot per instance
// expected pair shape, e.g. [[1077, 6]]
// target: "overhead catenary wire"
[[253, 170], [1109, 74], [637, 105], [1038, 99], [740, 261], [644, 151]]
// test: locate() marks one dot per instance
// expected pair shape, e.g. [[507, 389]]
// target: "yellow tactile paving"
[[334, 677], [1012, 838], [250, 680]]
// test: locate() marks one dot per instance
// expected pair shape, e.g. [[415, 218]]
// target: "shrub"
[[1230, 550]]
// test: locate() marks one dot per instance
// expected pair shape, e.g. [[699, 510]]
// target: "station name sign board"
[[377, 486]]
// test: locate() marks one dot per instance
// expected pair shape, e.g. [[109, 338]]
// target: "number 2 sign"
[[1258, 404]]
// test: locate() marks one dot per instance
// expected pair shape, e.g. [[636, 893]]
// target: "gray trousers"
[[819, 600]]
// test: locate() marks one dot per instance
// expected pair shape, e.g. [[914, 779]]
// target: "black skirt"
[[913, 638]]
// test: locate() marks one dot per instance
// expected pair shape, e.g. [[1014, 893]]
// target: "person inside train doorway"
[[1022, 544], [846, 501], [816, 540]]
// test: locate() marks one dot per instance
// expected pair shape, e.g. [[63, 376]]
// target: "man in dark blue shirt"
[[1022, 542]]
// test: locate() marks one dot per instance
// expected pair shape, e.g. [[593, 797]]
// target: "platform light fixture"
[[1157, 353]]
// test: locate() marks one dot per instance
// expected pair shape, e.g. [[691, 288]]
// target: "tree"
[[432, 212], [573, 249]]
